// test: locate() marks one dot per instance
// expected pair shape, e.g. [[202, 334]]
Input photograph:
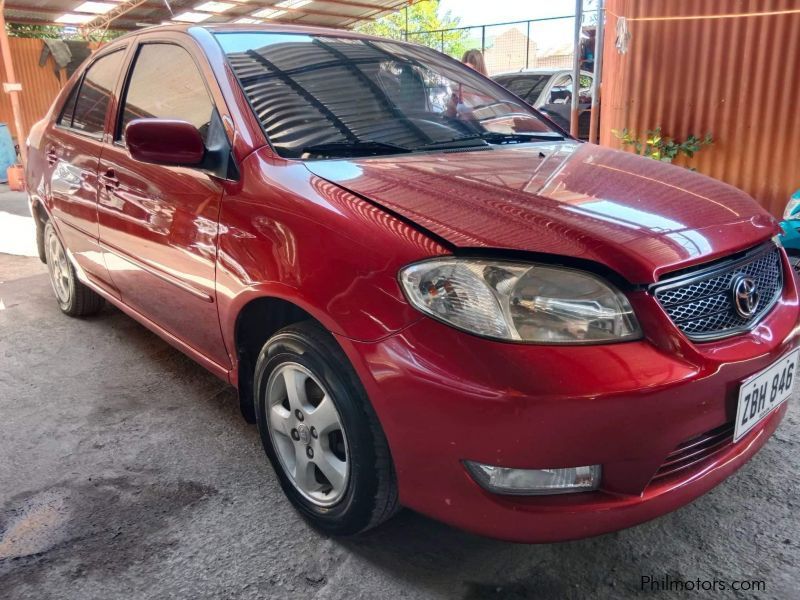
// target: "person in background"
[[474, 58], [464, 102], [456, 106]]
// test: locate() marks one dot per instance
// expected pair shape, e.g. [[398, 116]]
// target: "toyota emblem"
[[745, 296]]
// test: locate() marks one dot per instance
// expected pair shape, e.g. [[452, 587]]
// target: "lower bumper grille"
[[696, 450], [703, 303]]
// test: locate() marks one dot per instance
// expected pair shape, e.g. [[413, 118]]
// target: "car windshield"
[[326, 96]]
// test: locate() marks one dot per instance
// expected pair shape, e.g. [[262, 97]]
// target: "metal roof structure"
[[94, 16]]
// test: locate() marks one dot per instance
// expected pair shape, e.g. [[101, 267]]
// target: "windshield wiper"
[[355, 147], [486, 138], [376, 148], [495, 137], [467, 141]]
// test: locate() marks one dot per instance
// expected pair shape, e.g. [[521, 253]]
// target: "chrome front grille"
[[701, 303]]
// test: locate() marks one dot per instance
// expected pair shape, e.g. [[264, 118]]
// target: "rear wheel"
[[74, 298], [321, 434]]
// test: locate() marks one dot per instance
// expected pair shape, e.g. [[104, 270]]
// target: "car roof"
[[540, 71], [536, 71], [253, 28]]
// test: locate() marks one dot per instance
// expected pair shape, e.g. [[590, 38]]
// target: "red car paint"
[[184, 253]]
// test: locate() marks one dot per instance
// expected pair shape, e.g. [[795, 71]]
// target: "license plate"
[[762, 393]]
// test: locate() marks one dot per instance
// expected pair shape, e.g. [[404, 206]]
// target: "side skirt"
[[217, 369]]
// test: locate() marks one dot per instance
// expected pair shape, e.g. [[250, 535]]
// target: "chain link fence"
[[532, 44]]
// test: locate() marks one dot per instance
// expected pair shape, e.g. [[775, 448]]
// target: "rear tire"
[[40, 238], [73, 297], [349, 443]]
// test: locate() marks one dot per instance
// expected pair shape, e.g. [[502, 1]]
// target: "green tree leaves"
[[422, 17], [657, 146]]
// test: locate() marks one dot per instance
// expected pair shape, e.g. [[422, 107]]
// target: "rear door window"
[[69, 107], [527, 87], [95, 93], [166, 84]]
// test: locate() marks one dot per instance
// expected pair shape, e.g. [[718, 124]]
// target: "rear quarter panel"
[[37, 170]]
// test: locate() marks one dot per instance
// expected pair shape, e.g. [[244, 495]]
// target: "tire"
[[40, 239], [366, 495], [794, 260], [73, 297]]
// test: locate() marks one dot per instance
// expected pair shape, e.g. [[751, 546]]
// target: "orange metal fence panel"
[[738, 78], [40, 85]]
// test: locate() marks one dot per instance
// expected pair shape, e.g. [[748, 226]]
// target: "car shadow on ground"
[[409, 547], [692, 542]]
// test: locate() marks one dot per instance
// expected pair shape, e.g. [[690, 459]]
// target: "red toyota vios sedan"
[[426, 293]]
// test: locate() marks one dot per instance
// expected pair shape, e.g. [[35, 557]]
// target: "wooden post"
[[10, 85], [599, 40], [528, 45]]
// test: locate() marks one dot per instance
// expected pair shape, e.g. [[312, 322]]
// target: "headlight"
[[520, 302], [790, 208]]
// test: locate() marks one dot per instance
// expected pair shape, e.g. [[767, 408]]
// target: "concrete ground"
[[126, 472], [17, 230]]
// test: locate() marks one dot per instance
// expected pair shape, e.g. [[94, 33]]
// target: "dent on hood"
[[634, 215]]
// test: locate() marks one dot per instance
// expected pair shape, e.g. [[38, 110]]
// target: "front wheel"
[[321, 434], [74, 298]]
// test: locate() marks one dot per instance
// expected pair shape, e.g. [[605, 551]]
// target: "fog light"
[[530, 482]]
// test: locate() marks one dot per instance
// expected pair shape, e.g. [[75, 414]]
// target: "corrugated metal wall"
[[738, 78], [39, 84]]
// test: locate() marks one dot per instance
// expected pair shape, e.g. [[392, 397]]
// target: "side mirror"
[[165, 142]]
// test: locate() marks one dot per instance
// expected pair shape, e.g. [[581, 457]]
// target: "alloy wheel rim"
[[307, 434], [58, 267]]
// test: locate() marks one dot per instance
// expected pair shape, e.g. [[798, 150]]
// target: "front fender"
[[286, 233]]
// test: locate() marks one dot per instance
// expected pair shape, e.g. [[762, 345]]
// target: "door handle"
[[109, 179]]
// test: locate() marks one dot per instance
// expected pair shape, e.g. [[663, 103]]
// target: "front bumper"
[[443, 396]]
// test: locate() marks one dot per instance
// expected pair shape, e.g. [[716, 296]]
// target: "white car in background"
[[550, 92]]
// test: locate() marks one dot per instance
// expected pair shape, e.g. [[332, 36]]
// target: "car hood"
[[638, 217]]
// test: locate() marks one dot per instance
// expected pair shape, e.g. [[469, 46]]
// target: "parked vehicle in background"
[[550, 91], [425, 294], [791, 230]]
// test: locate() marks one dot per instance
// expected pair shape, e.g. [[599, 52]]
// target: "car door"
[[72, 149], [158, 224]]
